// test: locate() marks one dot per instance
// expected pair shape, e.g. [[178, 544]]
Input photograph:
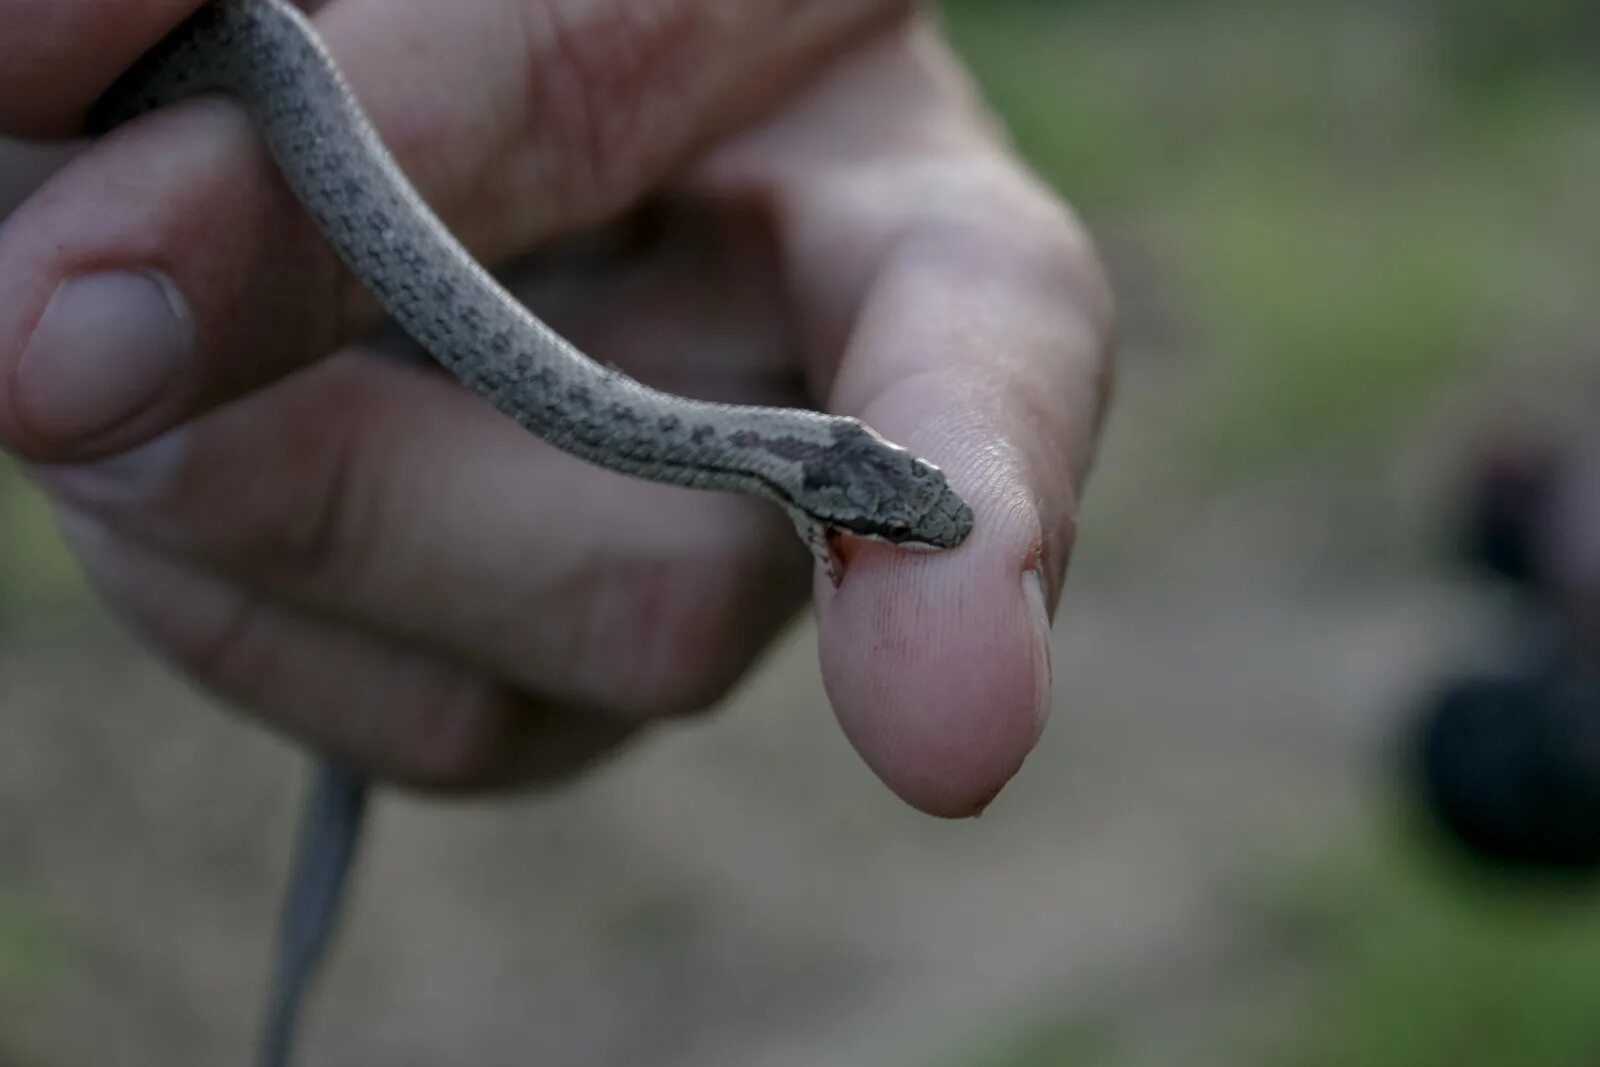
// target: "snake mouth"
[[897, 539], [899, 534]]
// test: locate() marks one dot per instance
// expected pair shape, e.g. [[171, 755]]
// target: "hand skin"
[[760, 200]]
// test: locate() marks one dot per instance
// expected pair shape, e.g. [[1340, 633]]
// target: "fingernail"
[[1043, 669], [104, 348], [134, 477]]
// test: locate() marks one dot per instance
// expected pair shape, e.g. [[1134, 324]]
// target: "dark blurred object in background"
[[1508, 760], [1507, 503], [1492, 42], [1510, 765]]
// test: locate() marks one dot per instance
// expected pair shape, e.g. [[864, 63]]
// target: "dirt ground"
[[737, 891]]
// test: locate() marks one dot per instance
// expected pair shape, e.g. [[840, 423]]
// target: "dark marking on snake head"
[[863, 485], [668, 423], [701, 434], [580, 397], [784, 446]]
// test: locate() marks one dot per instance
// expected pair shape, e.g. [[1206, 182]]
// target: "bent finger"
[[960, 310], [390, 710], [167, 269], [380, 495], [939, 666]]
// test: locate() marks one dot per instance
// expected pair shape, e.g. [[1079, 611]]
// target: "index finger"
[[962, 313], [58, 56], [939, 666]]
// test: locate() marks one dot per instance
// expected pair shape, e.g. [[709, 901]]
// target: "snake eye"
[[898, 531]]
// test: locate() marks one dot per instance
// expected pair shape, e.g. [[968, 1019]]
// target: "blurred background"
[[1353, 242]]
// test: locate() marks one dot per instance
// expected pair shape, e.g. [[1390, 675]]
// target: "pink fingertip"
[[938, 666]]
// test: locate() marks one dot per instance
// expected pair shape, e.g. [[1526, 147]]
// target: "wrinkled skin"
[[750, 200]]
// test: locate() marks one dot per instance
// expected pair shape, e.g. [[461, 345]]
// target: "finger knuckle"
[[326, 531], [453, 739], [233, 652], [332, 538], [670, 643], [600, 78]]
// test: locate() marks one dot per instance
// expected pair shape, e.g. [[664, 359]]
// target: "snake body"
[[830, 474]]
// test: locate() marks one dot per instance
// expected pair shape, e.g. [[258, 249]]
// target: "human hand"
[[770, 202]]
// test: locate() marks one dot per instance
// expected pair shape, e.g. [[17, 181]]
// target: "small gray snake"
[[830, 474]]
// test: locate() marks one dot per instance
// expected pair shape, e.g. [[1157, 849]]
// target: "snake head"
[[863, 486]]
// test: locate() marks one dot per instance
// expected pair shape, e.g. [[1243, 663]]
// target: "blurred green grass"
[[38, 580], [33, 952], [1081, 1042], [1323, 218], [1420, 961], [34, 957], [1393, 954], [1337, 215]]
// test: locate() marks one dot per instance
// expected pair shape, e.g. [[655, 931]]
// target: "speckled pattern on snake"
[[830, 474]]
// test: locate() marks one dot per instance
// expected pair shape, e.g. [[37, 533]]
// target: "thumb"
[[167, 270]]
